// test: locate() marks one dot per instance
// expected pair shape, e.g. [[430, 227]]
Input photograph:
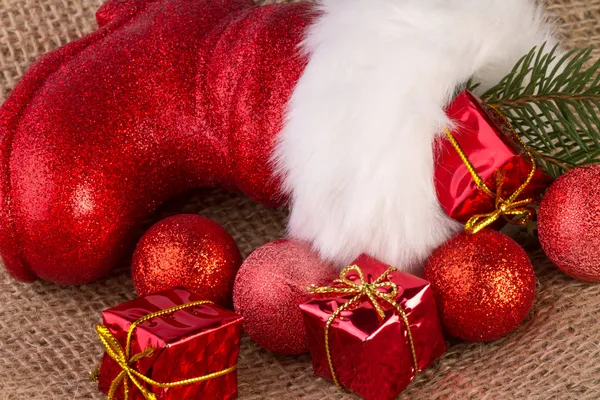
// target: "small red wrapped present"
[[169, 345], [497, 156], [373, 329]]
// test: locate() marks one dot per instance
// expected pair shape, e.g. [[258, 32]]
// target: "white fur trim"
[[356, 148]]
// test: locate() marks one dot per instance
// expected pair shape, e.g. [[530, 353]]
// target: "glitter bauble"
[[187, 251], [484, 285], [569, 223], [269, 288]]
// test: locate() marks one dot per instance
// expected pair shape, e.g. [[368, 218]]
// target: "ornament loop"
[[381, 290], [504, 207], [129, 373]]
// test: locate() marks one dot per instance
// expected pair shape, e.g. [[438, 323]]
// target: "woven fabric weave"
[[47, 339]]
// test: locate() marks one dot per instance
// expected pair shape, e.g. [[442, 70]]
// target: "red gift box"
[[372, 351], [490, 145], [174, 336]]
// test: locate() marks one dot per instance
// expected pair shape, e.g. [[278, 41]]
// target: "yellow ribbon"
[[360, 290], [125, 361], [504, 208]]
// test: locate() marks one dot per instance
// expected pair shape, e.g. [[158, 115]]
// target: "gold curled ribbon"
[[360, 290], [125, 361], [504, 208]]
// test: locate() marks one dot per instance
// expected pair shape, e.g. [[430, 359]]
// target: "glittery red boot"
[[165, 96], [173, 94]]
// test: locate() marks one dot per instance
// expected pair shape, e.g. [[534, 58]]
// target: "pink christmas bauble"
[[269, 288], [569, 223], [187, 251]]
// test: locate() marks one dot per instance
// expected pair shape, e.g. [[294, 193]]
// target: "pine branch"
[[553, 102]]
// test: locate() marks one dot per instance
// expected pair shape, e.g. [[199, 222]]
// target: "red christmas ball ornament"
[[569, 223], [187, 251], [484, 285], [269, 288]]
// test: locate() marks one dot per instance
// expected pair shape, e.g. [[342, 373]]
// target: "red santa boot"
[[167, 95], [346, 97]]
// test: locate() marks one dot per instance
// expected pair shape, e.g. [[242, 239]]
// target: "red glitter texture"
[[484, 285], [166, 96], [187, 251], [569, 223], [189, 343], [269, 288]]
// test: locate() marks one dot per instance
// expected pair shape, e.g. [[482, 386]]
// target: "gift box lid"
[[162, 331], [363, 320]]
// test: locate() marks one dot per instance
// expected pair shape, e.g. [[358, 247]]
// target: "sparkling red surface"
[[484, 285], [189, 343], [166, 96], [569, 223], [372, 357], [489, 148], [269, 288], [187, 251]]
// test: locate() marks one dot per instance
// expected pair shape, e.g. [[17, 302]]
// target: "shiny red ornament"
[[484, 285], [165, 96], [187, 251], [269, 288], [569, 223]]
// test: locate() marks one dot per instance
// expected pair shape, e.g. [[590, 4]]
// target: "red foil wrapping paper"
[[372, 357], [488, 143], [188, 343]]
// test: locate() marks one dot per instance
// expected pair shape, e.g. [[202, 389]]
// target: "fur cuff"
[[356, 149]]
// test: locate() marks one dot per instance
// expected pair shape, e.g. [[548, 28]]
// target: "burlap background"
[[47, 341]]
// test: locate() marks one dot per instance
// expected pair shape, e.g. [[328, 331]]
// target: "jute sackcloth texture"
[[47, 339]]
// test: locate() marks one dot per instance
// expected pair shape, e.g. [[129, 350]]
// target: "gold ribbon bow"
[[126, 362], [360, 290], [504, 208]]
